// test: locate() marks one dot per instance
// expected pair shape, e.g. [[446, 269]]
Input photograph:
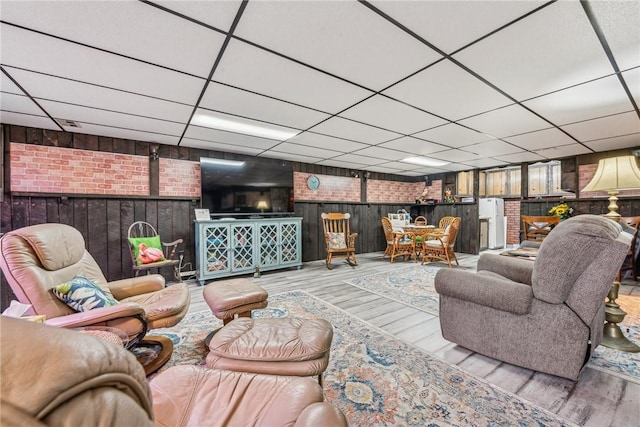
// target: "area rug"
[[413, 286], [378, 380]]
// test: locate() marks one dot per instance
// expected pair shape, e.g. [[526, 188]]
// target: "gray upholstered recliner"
[[546, 315]]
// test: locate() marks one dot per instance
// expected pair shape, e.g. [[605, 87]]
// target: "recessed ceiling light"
[[68, 123], [424, 161], [223, 162], [243, 126]]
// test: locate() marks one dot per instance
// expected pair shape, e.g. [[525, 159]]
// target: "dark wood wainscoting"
[[103, 223]]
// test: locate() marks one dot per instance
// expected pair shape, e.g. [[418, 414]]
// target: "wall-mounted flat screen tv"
[[252, 185]]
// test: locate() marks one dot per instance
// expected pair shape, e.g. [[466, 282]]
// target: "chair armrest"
[[352, 240], [321, 414], [126, 288], [485, 288], [97, 315], [513, 268], [173, 246]]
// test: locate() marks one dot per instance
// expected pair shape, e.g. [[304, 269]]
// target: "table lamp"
[[612, 175], [262, 205]]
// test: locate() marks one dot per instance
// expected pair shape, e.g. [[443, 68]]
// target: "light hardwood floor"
[[597, 399]]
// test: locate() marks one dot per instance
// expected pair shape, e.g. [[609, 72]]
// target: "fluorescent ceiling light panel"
[[243, 126], [223, 162], [424, 161]]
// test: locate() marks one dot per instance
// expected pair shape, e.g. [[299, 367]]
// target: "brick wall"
[[512, 212], [179, 178], [332, 188], [43, 169], [393, 192]]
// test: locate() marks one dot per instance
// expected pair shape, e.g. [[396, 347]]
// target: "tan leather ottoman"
[[279, 346]]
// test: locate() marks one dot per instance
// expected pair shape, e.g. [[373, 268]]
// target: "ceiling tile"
[[615, 143], [228, 138], [552, 49], [450, 25], [247, 104], [383, 154], [329, 142], [392, 115], [291, 157], [132, 135], [632, 79], [360, 46], [6, 85], [492, 148], [485, 163], [41, 53], [20, 119], [413, 146], [561, 151], [218, 146], [523, 157], [256, 70], [134, 28], [453, 135], [348, 129], [507, 121], [599, 98], [19, 104], [110, 119], [287, 147], [341, 164], [620, 21], [605, 127], [542, 139], [43, 86], [447, 91], [218, 14], [455, 155], [357, 158]]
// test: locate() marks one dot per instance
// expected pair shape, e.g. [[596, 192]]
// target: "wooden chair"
[[340, 242], [440, 243], [630, 224], [399, 243], [141, 229], [420, 220], [536, 228]]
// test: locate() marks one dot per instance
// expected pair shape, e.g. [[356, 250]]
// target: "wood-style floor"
[[597, 399]]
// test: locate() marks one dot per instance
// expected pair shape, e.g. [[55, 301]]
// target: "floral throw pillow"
[[82, 294], [147, 249], [336, 241]]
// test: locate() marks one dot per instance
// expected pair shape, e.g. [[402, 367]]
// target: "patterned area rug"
[[414, 286], [377, 380]]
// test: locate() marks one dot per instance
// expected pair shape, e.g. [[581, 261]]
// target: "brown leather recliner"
[[34, 259], [52, 376]]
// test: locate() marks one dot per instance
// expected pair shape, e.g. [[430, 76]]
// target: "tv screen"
[[252, 185]]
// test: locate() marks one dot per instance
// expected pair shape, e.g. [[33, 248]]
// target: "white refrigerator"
[[492, 209]]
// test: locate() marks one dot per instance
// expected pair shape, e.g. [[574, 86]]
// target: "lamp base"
[[613, 337]]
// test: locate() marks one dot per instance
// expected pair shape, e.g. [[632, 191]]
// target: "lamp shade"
[[262, 205], [615, 173]]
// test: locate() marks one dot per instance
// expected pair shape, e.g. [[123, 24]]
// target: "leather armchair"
[[55, 377], [546, 315], [34, 259]]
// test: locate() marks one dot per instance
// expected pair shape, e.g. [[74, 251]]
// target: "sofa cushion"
[[82, 294], [147, 249]]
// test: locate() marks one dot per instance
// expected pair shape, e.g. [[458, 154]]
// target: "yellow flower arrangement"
[[562, 210]]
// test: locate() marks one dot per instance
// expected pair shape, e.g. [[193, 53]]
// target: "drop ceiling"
[[364, 84]]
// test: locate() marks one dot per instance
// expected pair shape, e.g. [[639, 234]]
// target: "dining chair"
[[399, 243], [439, 244], [420, 220], [536, 228]]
